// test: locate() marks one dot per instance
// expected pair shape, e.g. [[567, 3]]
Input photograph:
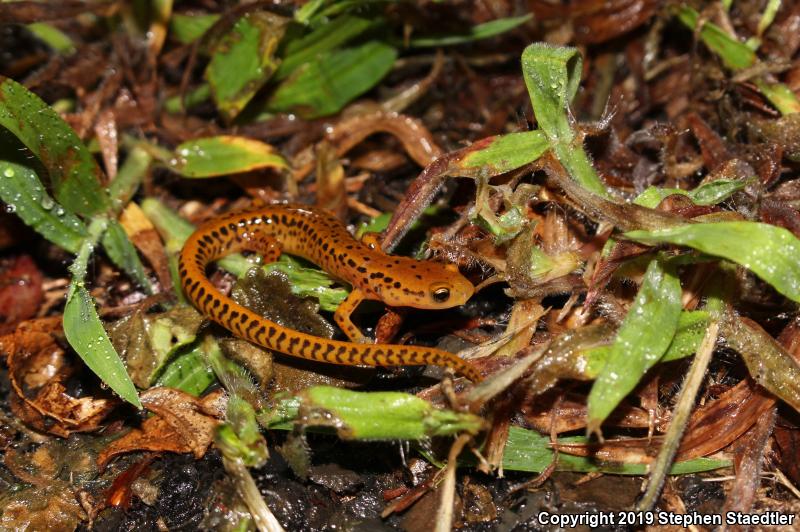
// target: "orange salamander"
[[318, 236]]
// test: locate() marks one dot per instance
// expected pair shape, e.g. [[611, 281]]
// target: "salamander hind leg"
[[342, 317]]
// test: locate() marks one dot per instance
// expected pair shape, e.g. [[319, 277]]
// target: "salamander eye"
[[440, 295]]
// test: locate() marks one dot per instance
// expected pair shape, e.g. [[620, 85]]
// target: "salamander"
[[321, 238]]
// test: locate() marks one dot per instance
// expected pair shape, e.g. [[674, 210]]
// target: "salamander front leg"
[[342, 317]]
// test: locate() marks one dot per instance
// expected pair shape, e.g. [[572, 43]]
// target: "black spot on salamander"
[[223, 231], [361, 269], [234, 314], [397, 284], [281, 337], [215, 234], [351, 263], [208, 239], [376, 275], [272, 331]]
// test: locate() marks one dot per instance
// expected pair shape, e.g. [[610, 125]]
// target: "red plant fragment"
[[20, 289]]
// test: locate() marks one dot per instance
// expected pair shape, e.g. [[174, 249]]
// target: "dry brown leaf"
[[182, 424], [38, 367]]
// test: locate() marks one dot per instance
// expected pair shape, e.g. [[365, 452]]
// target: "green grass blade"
[[769, 251], [52, 37], [476, 33], [529, 451], [188, 28], [121, 250], [73, 172], [21, 189], [243, 61], [130, 176], [223, 155], [326, 84], [706, 194], [83, 328], [736, 55], [86, 335], [552, 76], [324, 39], [642, 339]]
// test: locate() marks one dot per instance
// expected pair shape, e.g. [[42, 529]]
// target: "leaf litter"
[[620, 208]]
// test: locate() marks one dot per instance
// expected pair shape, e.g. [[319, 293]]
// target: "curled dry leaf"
[[38, 370], [181, 423]]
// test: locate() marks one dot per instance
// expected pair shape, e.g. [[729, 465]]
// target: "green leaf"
[[129, 176], [706, 194], [200, 94], [52, 37], [85, 333], [527, 450], [692, 326], [120, 250], [781, 96], [381, 415], [739, 56], [502, 153], [734, 54], [325, 38], [642, 339], [243, 60], [476, 33], [326, 84], [189, 28], [223, 155], [769, 251], [310, 282], [73, 172], [188, 372], [149, 341], [552, 75], [22, 191]]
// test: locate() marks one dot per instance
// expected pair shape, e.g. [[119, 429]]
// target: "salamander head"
[[423, 284]]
